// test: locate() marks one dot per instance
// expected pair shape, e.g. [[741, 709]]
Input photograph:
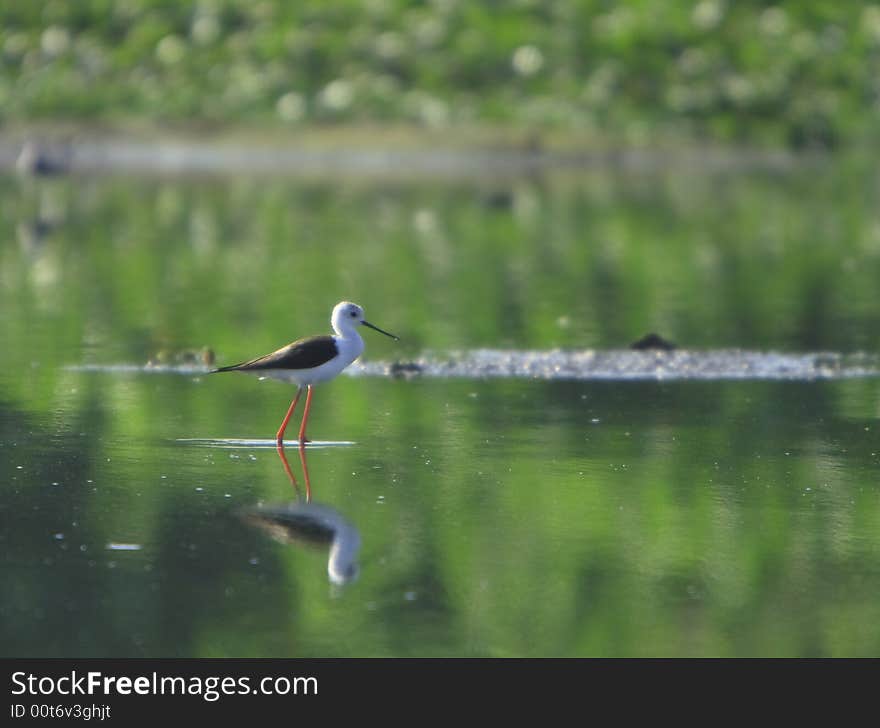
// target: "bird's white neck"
[[349, 342], [346, 330]]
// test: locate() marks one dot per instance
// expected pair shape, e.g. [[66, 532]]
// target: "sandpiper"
[[312, 360]]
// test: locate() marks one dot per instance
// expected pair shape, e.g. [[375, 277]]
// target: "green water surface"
[[497, 517]]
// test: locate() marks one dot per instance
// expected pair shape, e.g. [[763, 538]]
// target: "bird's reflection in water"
[[312, 524], [302, 522], [289, 472]]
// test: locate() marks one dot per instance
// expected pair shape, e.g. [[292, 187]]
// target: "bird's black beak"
[[376, 328]]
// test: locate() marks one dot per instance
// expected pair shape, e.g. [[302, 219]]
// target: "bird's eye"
[[353, 314]]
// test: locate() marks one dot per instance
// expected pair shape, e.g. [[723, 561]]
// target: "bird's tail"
[[231, 368]]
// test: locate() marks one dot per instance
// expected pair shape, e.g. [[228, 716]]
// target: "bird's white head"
[[347, 316]]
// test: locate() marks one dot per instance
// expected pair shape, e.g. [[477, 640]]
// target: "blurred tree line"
[[795, 73]]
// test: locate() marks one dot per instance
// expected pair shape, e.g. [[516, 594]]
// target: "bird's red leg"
[[279, 438], [302, 427], [302, 459], [280, 449]]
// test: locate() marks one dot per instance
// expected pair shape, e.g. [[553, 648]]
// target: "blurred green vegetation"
[[798, 73], [779, 259]]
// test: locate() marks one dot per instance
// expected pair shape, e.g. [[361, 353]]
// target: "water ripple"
[[630, 365], [589, 364]]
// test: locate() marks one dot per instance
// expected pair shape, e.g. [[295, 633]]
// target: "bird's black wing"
[[301, 354]]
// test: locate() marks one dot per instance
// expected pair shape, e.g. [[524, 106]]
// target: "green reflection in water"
[[497, 517]]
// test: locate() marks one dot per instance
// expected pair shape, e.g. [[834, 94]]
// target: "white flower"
[[773, 21], [527, 60], [170, 50], [708, 14], [337, 95], [55, 40], [205, 29], [291, 106]]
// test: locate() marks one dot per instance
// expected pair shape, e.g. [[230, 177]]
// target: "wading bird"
[[312, 360]]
